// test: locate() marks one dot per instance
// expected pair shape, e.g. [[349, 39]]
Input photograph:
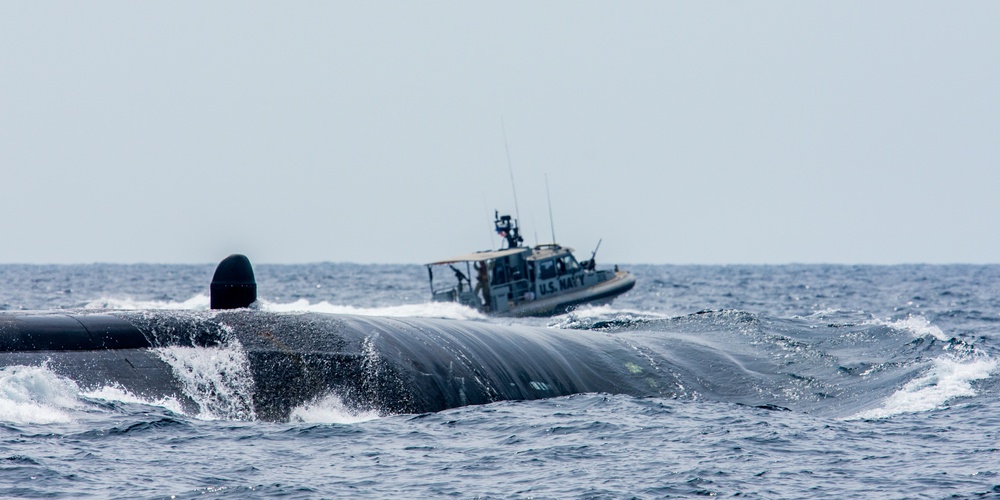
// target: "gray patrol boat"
[[543, 280]]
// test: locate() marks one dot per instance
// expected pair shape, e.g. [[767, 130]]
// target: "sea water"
[[839, 381]]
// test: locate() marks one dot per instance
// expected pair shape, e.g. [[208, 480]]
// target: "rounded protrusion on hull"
[[233, 285]]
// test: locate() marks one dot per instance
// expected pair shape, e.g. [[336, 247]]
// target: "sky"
[[852, 132]]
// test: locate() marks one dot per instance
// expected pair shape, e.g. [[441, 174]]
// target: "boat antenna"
[[552, 224], [517, 212], [493, 241]]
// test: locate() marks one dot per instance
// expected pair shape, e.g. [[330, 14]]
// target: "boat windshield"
[[546, 269], [569, 264]]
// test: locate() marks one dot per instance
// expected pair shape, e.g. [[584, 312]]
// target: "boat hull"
[[599, 294]]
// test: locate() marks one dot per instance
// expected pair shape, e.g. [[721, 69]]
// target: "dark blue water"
[[794, 381]]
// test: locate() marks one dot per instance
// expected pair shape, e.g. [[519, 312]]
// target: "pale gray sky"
[[679, 132]]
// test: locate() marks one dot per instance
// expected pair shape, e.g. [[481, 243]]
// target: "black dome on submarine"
[[233, 285]]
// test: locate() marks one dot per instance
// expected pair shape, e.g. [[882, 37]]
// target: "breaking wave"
[[599, 317], [918, 325], [38, 395], [330, 409], [948, 378]]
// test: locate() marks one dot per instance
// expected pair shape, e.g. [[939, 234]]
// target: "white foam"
[[948, 378], [589, 314], [918, 325], [218, 379], [116, 393], [445, 310], [36, 395], [330, 409], [200, 302]]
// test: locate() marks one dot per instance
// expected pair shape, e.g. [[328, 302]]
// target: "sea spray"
[[36, 395], [117, 393], [330, 409], [443, 310], [200, 302], [217, 379]]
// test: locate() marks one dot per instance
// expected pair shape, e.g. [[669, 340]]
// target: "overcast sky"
[[679, 132]]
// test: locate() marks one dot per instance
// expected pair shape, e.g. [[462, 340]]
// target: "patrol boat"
[[543, 280]]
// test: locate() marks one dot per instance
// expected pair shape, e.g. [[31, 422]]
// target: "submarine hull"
[[386, 365]]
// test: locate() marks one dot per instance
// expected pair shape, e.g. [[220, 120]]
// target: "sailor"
[[459, 275], [483, 281]]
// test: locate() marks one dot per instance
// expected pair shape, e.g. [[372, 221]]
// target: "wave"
[[602, 317], [38, 395], [331, 409], [917, 325], [117, 394], [947, 379], [853, 367]]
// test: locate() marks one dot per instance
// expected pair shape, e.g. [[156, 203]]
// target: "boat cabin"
[[498, 281], [525, 281]]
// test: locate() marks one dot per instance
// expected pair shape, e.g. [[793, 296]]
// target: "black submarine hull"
[[386, 365]]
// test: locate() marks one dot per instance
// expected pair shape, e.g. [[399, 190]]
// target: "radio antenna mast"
[[552, 224], [493, 241], [517, 212]]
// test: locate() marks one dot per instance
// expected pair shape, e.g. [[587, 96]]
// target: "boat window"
[[499, 273], [546, 270], [570, 265], [517, 270]]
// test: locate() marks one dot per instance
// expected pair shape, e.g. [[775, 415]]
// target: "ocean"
[[793, 381]]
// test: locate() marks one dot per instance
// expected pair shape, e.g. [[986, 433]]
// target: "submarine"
[[380, 364]]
